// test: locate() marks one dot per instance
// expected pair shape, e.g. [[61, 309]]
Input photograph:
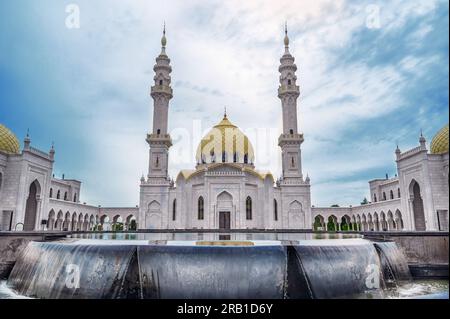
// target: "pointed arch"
[[248, 208], [31, 208], [383, 222], [417, 205], [376, 221], [390, 221], [51, 220], [153, 218], [224, 196], [399, 220], [74, 221], [59, 220], [200, 208], [319, 223], [66, 222], [332, 223], [370, 224], [275, 210], [174, 209]]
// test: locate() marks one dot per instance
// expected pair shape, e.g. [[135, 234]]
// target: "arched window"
[[174, 210], [58, 195], [275, 209], [213, 156], [158, 131], [75, 198], [391, 194], [375, 198], [235, 159], [245, 158], [398, 192], [201, 208], [248, 208], [292, 161], [160, 82], [289, 82], [291, 131], [51, 192], [384, 196], [65, 196], [224, 157]]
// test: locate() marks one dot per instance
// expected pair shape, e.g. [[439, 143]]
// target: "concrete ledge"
[[389, 234], [435, 271]]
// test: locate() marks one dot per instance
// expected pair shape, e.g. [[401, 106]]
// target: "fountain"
[[238, 269]]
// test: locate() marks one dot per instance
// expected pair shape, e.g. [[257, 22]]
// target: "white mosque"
[[225, 190]]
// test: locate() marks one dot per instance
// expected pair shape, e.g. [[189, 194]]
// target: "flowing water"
[[214, 265]]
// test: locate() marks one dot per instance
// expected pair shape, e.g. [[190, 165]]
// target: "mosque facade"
[[224, 190]]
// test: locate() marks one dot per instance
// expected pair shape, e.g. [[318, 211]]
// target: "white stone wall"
[[65, 186]]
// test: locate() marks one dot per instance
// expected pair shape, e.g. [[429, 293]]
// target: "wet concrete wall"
[[12, 244], [418, 247]]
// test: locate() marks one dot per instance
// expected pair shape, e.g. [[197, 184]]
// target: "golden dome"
[[8, 141], [439, 143], [228, 140]]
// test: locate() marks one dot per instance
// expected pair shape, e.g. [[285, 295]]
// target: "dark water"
[[162, 268]]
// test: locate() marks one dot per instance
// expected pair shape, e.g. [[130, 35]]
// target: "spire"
[[286, 38], [225, 112], [422, 139], [163, 40], [27, 140], [52, 150]]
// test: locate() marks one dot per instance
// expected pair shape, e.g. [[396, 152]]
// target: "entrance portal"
[[417, 203], [31, 207], [224, 220]]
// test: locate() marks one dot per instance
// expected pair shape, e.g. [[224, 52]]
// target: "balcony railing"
[[161, 89], [288, 89]]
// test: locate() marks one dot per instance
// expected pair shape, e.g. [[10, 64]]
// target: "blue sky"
[[365, 85]]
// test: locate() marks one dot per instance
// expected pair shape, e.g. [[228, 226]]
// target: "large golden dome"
[[8, 141], [225, 141], [439, 143]]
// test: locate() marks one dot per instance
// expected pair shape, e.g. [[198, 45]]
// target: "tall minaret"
[[161, 92], [290, 140]]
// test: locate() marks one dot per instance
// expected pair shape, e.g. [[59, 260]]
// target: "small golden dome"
[[228, 138], [8, 141], [439, 143]]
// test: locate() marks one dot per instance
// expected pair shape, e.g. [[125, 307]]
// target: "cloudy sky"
[[372, 74]]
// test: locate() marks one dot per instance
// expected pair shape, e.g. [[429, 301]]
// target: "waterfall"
[[108, 269], [60, 270], [335, 271], [212, 271], [393, 262]]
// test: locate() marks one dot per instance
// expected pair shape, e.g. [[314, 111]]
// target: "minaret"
[[161, 92], [290, 140]]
